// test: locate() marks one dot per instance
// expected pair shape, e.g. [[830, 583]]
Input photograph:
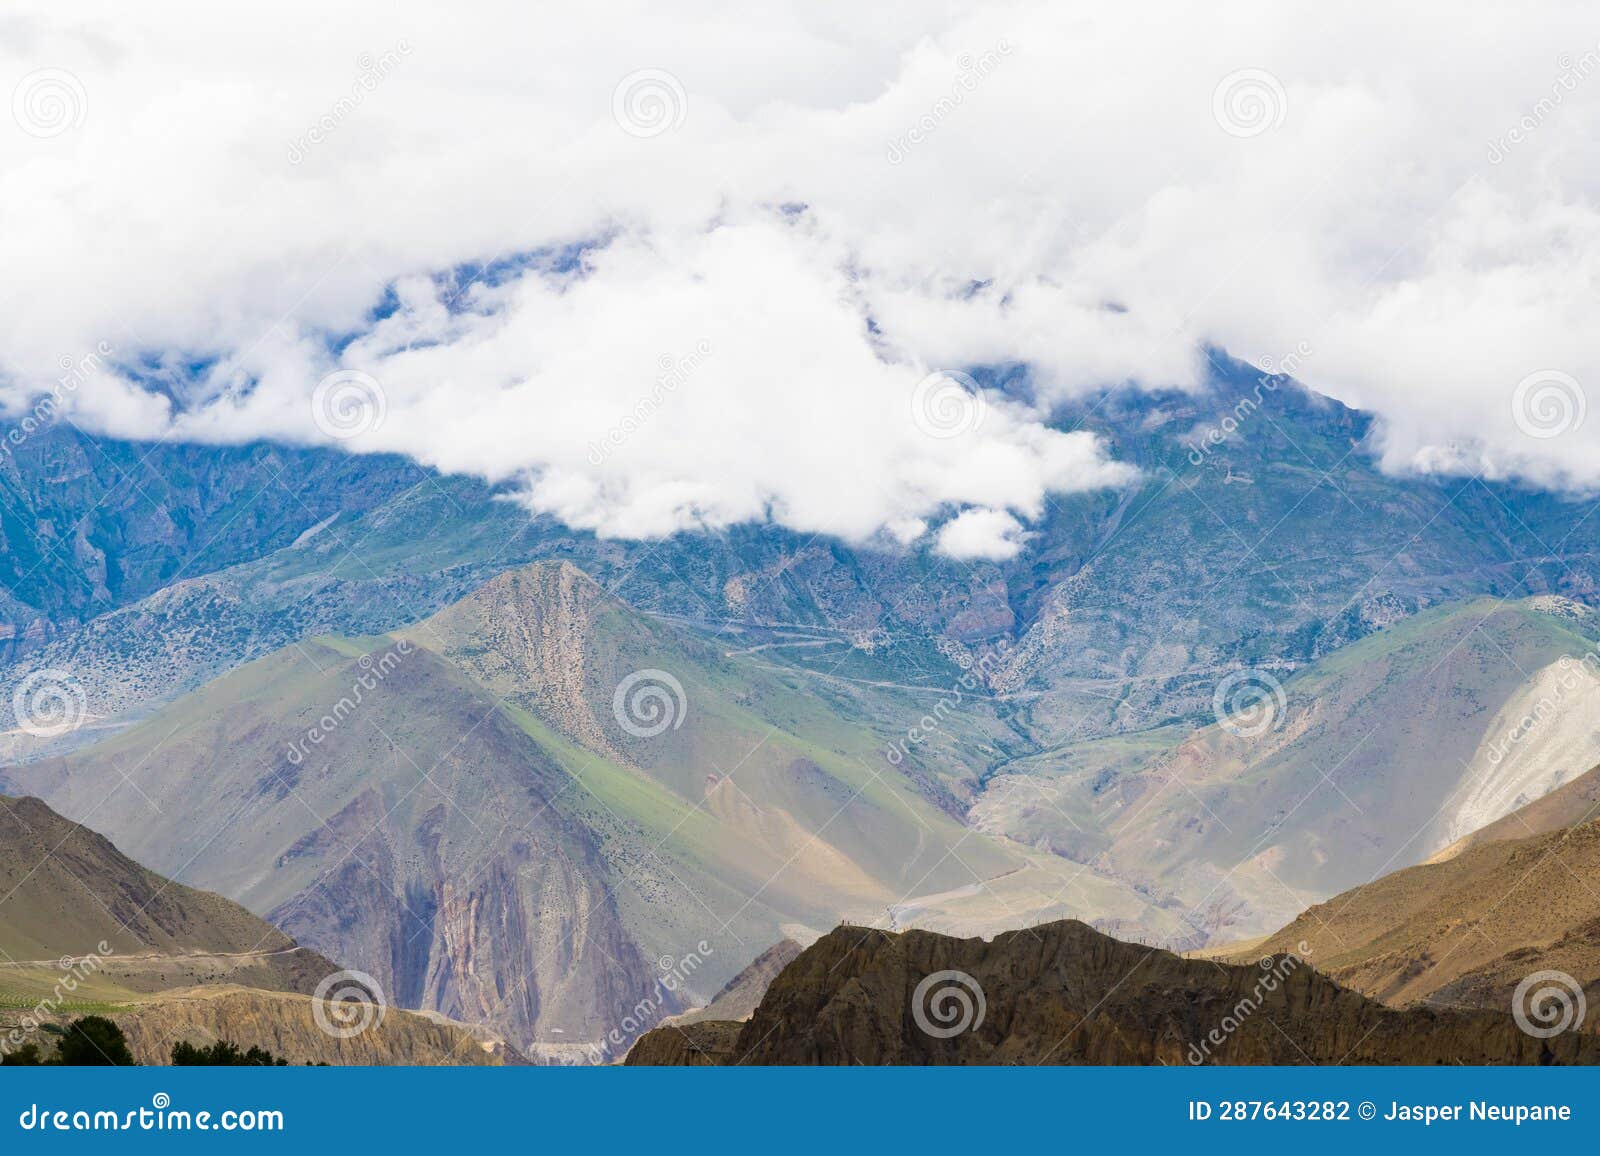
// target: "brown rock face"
[[700, 1044], [524, 634], [286, 1025], [1065, 994]]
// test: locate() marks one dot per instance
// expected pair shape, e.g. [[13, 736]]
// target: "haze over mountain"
[[1370, 759], [90, 524], [67, 892]]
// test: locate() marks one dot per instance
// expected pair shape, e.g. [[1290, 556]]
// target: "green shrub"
[[94, 1041], [223, 1053]]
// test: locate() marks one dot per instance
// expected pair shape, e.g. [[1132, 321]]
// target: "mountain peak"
[[529, 635], [544, 591]]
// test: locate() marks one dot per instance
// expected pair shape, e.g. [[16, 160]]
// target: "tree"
[[223, 1053], [94, 1041], [27, 1056]]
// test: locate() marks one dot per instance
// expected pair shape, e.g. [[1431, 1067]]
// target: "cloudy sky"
[[729, 246]]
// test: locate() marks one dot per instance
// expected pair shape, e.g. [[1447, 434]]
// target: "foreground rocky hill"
[[737, 1001], [1063, 993], [283, 1023], [287, 1025]]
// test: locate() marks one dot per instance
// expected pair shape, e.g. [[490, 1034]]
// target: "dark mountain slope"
[[1063, 993], [83, 927], [88, 524]]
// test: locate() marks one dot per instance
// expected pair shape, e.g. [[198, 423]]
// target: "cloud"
[[661, 385], [990, 534], [658, 275]]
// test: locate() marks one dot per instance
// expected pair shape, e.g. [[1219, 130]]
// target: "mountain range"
[[546, 784], [1272, 547], [473, 811]]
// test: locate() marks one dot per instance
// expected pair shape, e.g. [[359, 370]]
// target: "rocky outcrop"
[[525, 635], [286, 1025], [702, 1044], [1063, 993], [452, 907]]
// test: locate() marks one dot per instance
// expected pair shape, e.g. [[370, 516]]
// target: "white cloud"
[[990, 534], [1416, 205]]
